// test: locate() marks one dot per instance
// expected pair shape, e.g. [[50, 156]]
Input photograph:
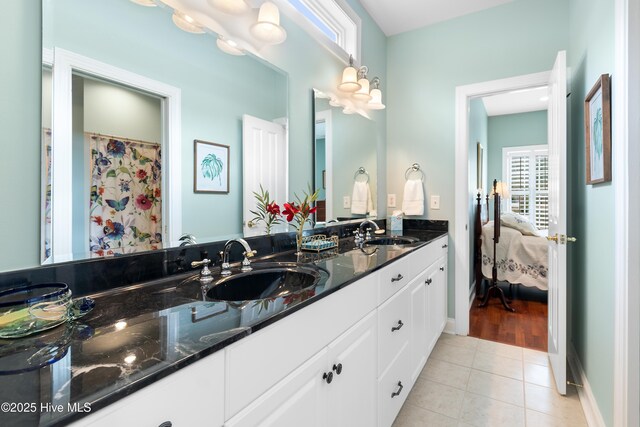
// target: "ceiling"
[[398, 16], [519, 101]]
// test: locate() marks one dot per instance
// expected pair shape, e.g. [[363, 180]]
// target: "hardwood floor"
[[527, 327]]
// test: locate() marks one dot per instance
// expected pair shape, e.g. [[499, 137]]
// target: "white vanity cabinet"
[[336, 387], [193, 396]]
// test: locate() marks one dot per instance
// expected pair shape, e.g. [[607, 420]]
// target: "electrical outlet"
[[391, 200], [435, 202], [346, 202]]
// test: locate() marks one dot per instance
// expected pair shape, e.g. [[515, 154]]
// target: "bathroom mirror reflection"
[[344, 147], [133, 93]]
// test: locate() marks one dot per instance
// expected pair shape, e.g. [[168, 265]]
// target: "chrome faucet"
[[224, 254], [205, 274], [187, 239], [368, 230]]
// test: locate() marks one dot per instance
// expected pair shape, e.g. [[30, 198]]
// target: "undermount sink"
[[391, 240], [264, 282]]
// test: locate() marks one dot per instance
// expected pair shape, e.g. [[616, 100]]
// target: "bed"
[[520, 259]]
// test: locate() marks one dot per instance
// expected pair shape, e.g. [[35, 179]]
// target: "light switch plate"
[[346, 202], [435, 202], [391, 200]]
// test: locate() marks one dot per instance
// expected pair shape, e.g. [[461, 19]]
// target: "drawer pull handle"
[[397, 393], [328, 377], [397, 278], [444, 246], [338, 368], [397, 328], [166, 424], [428, 281], [441, 268]]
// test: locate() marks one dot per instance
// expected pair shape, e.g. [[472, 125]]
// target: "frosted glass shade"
[[349, 80], [268, 27], [362, 94], [229, 46], [232, 7], [376, 100], [186, 23], [148, 3]]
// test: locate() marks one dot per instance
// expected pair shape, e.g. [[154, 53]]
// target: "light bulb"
[[268, 27], [186, 23]]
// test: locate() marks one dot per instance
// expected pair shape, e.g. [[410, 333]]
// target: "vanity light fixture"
[[186, 23], [229, 46], [376, 96], [362, 94], [232, 7], [349, 78], [268, 27], [147, 3]]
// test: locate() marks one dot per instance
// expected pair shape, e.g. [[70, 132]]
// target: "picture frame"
[[597, 118], [210, 167]]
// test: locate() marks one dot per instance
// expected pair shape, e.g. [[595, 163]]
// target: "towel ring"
[[361, 171], [414, 168]]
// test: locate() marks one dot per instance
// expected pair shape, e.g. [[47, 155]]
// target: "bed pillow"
[[520, 223]]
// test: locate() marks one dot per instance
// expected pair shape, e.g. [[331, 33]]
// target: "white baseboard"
[[450, 327], [587, 399]]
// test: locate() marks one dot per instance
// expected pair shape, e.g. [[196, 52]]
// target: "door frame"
[[626, 184], [64, 64], [325, 116], [464, 95]]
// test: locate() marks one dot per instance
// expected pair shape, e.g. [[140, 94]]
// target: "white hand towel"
[[413, 199], [361, 202]]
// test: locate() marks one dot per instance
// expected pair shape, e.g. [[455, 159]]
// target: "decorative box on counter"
[[318, 243]]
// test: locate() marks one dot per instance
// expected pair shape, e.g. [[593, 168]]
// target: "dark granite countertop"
[[141, 333]]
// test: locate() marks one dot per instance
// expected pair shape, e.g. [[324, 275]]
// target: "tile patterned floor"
[[473, 382]]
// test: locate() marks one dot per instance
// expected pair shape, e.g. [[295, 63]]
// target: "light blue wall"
[[427, 64], [513, 130], [478, 122], [591, 207]]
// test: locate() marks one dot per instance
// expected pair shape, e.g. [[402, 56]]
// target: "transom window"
[[332, 22], [526, 172]]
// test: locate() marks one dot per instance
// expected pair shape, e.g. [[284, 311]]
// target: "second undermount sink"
[[264, 282], [391, 240]]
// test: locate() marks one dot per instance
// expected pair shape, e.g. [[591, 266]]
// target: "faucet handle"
[[249, 254], [368, 235], [205, 274], [205, 262]]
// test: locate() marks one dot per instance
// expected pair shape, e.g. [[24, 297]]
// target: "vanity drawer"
[[393, 278], [427, 255], [394, 327], [393, 388]]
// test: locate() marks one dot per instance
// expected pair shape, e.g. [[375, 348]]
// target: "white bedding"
[[520, 259]]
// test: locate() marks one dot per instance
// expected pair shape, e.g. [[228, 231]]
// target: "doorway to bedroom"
[[508, 145]]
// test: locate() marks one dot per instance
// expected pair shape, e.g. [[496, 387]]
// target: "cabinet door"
[[419, 342], [298, 400], [440, 281], [352, 394], [432, 304]]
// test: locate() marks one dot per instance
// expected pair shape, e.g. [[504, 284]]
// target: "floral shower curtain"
[[126, 204]]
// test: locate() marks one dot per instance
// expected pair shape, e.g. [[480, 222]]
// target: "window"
[[332, 22], [526, 172]]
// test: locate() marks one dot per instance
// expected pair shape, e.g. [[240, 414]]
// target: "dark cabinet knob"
[[441, 268], [166, 424], [328, 377], [397, 328], [397, 393], [397, 278], [428, 281], [338, 368]]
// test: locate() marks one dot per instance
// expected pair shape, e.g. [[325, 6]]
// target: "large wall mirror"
[[344, 152], [133, 93]]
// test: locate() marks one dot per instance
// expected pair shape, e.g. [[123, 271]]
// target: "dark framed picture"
[[211, 167], [597, 118]]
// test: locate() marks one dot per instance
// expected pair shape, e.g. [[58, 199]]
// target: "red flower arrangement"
[[267, 210], [299, 212]]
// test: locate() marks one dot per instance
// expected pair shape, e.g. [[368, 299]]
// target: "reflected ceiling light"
[[186, 23], [268, 27], [120, 325], [349, 78], [233, 7], [229, 46], [130, 359], [376, 96], [147, 3], [362, 94]]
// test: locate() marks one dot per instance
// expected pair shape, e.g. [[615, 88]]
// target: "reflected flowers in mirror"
[[267, 210]]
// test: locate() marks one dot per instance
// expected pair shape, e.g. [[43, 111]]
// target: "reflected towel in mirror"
[[413, 198], [361, 202]]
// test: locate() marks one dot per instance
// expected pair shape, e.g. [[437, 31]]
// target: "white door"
[[264, 162], [557, 295]]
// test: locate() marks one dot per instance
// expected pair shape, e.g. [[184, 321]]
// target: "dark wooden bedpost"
[[478, 246], [496, 239]]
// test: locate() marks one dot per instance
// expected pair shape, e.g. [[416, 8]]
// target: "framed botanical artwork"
[[597, 118], [211, 167]]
